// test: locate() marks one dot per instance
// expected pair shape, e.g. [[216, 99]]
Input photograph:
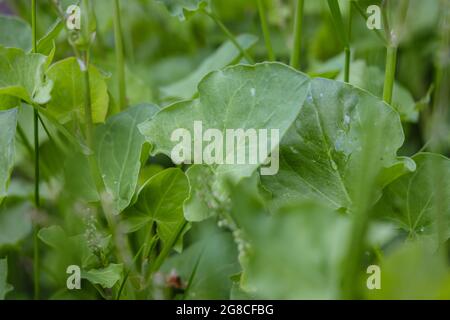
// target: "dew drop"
[[253, 92]]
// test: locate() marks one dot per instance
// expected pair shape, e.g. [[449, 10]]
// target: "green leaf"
[[4, 286], [226, 54], [69, 95], [371, 78], [323, 154], [183, 9], [15, 224], [47, 42], [71, 250], [264, 96], [79, 182], [295, 253], [22, 76], [8, 123], [412, 271], [412, 201], [160, 201], [118, 150], [106, 277], [15, 33]]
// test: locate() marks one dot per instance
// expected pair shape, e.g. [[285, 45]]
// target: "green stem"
[[230, 36], [265, 29], [120, 59], [87, 103], [347, 64], [37, 198], [391, 65], [298, 26]]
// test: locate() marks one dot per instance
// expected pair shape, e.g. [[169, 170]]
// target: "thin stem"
[[230, 36], [120, 59], [265, 29], [347, 47], [347, 64], [298, 27], [391, 64], [37, 198]]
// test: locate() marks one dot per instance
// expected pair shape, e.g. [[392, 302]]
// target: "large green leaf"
[[325, 151], [4, 286], [414, 201], [295, 253], [68, 99], [106, 277], [183, 8], [22, 76], [118, 150], [8, 123], [15, 33], [15, 224], [264, 96], [160, 201], [222, 57]]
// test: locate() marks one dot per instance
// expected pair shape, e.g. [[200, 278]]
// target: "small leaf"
[[15, 33], [106, 277], [69, 93], [22, 76], [183, 9], [222, 57], [161, 201], [118, 150], [4, 286], [8, 123]]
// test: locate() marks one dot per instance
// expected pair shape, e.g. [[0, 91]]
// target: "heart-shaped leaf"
[[160, 201], [22, 76], [68, 98], [262, 97]]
